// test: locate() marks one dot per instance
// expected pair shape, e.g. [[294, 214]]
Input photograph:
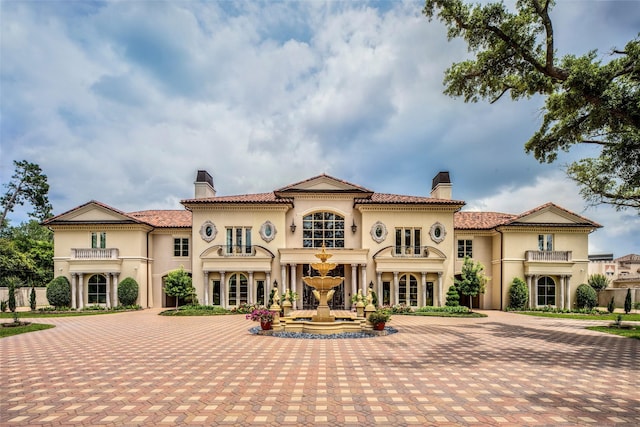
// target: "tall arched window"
[[546, 291], [323, 227], [408, 290], [237, 289], [97, 289]]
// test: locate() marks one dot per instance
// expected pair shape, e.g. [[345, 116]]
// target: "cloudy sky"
[[123, 102]]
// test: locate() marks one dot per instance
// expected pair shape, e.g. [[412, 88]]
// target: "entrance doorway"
[[309, 302]]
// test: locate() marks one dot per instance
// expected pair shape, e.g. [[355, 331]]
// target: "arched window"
[[546, 291], [408, 290], [237, 289], [97, 290], [323, 227]]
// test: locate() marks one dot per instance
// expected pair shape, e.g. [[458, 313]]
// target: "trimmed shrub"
[[11, 284], [586, 297], [518, 294], [128, 291], [611, 306], [32, 299], [627, 302], [598, 282], [59, 292], [453, 298]]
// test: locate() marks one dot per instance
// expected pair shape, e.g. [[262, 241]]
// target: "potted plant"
[[378, 319], [262, 315]]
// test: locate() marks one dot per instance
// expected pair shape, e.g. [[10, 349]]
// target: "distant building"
[[237, 248]]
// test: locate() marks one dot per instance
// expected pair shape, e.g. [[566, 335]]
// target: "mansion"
[[238, 248]]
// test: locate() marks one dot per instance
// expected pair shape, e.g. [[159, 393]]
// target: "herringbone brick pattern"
[[143, 369]]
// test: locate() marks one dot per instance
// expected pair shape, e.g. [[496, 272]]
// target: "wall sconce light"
[[354, 227], [293, 226], [275, 284]]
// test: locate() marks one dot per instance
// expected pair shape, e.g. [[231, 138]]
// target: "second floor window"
[[98, 240], [408, 240], [181, 246], [545, 242], [323, 227], [465, 248], [239, 240]]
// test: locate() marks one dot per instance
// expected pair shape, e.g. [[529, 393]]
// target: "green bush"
[[453, 298], [12, 283], [611, 306], [518, 294], [445, 309], [32, 299], [59, 292], [128, 291], [3, 305], [627, 302], [586, 297], [598, 282]]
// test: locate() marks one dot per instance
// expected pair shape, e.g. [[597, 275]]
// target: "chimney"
[[204, 185], [441, 186]]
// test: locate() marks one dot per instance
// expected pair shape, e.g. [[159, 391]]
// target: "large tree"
[[28, 184], [26, 252], [472, 279], [587, 101]]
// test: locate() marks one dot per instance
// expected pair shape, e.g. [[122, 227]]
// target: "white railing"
[[548, 256], [94, 253], [409, 252]]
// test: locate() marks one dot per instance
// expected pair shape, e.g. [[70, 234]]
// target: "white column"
[[363, 283], [115, 288], [440, 300], [423, 292], [80, 290], [379, 286], [283, 278], [206, 288], [396, 289], [74, 290], [108, 292], [568, 293], [354, 282], [293, 285], [561, 305], [534, 284], [223, 290], [250, 292], [267, 289], [528, 277]]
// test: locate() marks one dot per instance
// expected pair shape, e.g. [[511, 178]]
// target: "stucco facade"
[[237, 248]]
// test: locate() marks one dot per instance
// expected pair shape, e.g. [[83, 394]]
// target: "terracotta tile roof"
[[243, 198], [164, 218], [324, 175], [630, 258], [56, 219], [383, 198], [585, 221], [480, 220]]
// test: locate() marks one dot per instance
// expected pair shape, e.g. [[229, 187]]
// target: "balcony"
[[410, 252], [548, 256], [94, 253], [237, 251]]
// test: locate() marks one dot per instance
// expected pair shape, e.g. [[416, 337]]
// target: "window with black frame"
[[323, 228]]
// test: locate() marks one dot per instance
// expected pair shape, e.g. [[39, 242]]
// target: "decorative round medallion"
[[208, 231], [437, 232], [378, 232], [268, 231]]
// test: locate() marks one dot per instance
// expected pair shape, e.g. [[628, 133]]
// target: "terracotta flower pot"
[[265, 326], [379, 326]]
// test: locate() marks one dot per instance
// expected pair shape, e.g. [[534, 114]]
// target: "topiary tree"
[[453, 297], [598, 282], [518, 294], [128, 291], [472, 279], [12, 282], [32, 298], [627, 302], [178, 284], [59, 292], [611, 307], [586, 297]]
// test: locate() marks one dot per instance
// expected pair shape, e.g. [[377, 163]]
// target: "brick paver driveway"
[[140, 368]]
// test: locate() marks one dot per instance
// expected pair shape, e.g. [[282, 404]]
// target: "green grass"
[[625, 317], [15, 330], [196, 311], [37, 314], [629, 333], [447, 314]]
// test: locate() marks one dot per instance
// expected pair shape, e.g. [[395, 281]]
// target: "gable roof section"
[[323, 184], [92, 212]]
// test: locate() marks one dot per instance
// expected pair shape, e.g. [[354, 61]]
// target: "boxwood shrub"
[[128, 291], [59, 292], [518, 294], [586, 297]]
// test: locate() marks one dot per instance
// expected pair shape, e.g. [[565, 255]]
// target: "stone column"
[[568, 293], [396, 289], [74, 289], [363, 283], [379, 286], [535, 291], [293, 285], [250, 289], [354, 282], [440, 289], [423, 293], [528, 277], [283, 278], [108, 292], [561, 305], [115, 288], [267, 289], [223, 290], [206, 288], [80, 290]]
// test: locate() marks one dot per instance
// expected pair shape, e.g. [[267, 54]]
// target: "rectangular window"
[[545, 242], [235, 238], [181, 246], [465, 248], [408, 241], [98, 240]]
